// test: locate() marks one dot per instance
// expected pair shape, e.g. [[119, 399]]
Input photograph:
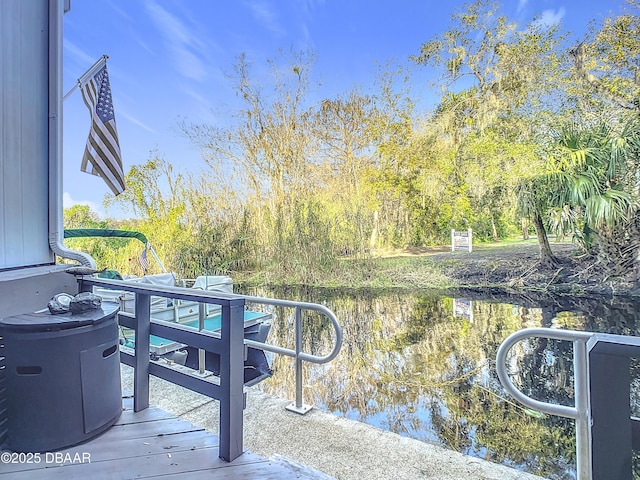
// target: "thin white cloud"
[[202, 108], [189, 64], [521, 5], [199, 99], [82, 57], [266, 16], [68, 202], [144, 44], [134, 120], [306, 13], [184, 47], [123, 13], [306, 35], [170, 25], [549, 18], [310, 5]]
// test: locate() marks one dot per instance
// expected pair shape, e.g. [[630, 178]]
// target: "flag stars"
[[104, 107]]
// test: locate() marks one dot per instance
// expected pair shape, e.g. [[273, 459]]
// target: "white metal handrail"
[[581, 410], [298, 354], [299, 306]]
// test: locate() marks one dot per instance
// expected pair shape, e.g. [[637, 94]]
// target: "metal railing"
[[297, 353], [229, 344], [581, 410]]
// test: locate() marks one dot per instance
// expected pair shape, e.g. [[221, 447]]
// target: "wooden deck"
[[152, 444]]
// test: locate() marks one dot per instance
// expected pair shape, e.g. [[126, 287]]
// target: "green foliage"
[[595, 174], [81, 216], [606, 63], [211, 252], [294, 183]]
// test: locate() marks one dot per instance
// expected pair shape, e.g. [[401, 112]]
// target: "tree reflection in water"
[[408, 365]]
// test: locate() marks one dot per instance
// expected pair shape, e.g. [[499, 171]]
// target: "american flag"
[[143, 261], [102, 153]]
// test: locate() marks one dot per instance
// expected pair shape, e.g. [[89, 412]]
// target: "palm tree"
[[593, 180], [596, 175], [533, 195]]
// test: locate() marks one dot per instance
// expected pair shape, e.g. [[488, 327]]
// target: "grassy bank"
[[416, 268], [371, 273]]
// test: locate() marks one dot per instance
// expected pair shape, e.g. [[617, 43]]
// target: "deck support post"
[[611, 411], [141, 373], [232, 381]]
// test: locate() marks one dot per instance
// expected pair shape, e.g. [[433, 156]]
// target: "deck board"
[[152, 444]]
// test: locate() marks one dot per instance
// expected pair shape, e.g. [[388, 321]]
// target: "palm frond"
[[583, 186], [607, 209]]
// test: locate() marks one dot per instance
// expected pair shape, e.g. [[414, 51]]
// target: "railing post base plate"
[[303, 410]]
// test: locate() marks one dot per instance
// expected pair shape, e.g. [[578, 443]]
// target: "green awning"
[[102, 232]]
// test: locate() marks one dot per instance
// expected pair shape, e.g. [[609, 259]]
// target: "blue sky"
[[168, 58]]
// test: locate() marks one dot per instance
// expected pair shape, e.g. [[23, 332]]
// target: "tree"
[[266, 155], [81, 216], [394, 177], [597, 171], [497, 81], [533, 197], [608, 63], [345, 141], [154, 191], [269, 144]]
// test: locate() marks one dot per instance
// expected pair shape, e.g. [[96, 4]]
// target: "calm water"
[[423, 366]]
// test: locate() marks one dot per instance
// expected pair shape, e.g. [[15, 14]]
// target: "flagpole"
[[96, 66], [155, 256]]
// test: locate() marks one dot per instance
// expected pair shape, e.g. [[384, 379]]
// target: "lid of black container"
[[46, 322]]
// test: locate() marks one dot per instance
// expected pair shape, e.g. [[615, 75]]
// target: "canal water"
[[423, 365]]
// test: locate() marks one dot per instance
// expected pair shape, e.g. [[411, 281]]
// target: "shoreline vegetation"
[[541, 138], [509, 267]]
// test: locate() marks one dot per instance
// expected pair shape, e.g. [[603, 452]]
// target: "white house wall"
[[24, 87]]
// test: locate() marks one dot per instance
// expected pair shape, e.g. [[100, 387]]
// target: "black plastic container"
[[62, 377]]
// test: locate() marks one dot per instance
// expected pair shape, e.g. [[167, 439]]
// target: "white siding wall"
[[24, 83]]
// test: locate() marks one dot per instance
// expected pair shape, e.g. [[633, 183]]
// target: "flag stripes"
[[102, 152], [143, 261]]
